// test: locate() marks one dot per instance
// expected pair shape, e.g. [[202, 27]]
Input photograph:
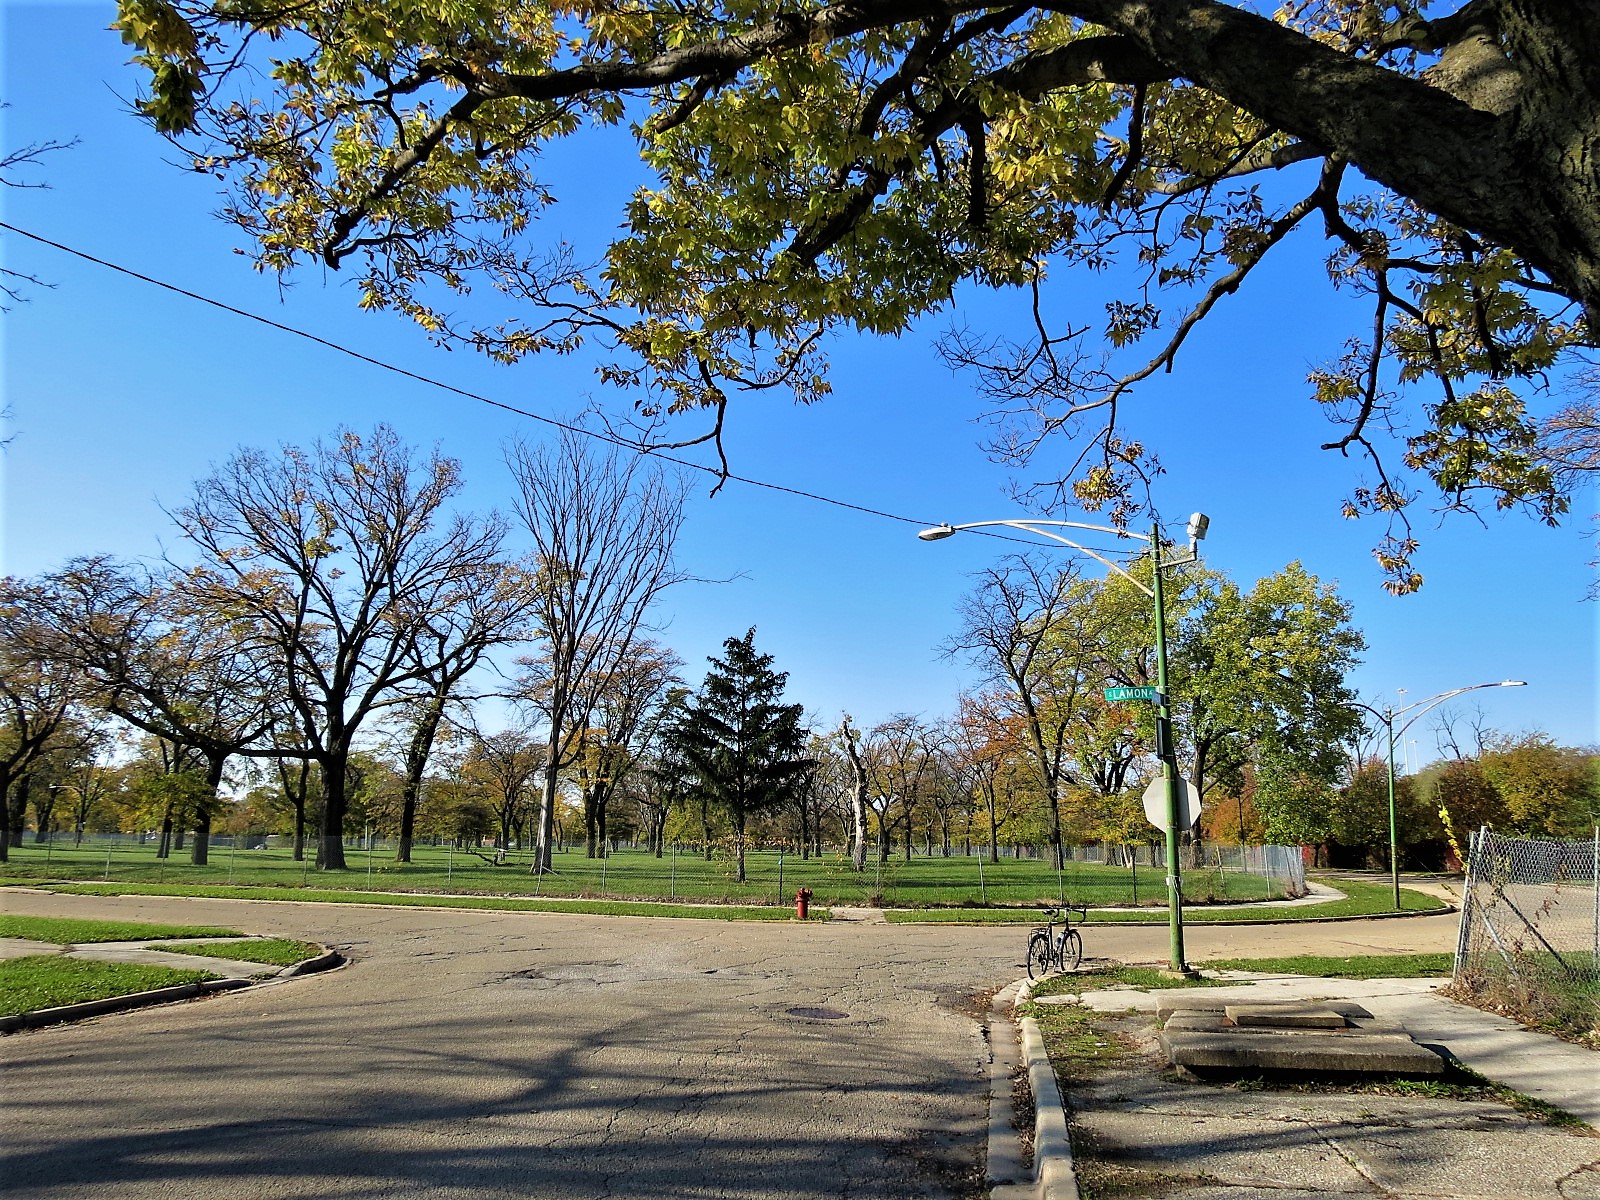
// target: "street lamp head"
[[937, 533], [1512, 683], [1198, 524]]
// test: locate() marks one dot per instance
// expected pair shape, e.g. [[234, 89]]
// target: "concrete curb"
[[325, 961], [42, 1017], [1053, 1177]]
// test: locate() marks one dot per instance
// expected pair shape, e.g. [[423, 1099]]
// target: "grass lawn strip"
[[1372, 966], [278, 952], [52, 980], [71, 931], [609, 908], [679, 876], [1361, 900]]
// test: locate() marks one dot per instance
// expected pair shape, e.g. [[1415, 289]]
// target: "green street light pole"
[[1167, 753], [1166, 749], [1387, 716]]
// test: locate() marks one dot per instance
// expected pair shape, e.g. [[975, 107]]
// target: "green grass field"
[[278, 952], [73, 931], [772, 879], [50, 980]]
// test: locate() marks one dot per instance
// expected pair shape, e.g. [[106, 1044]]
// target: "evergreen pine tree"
[[744, 747]]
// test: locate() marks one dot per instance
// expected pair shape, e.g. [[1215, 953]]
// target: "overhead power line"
[[430, 381]]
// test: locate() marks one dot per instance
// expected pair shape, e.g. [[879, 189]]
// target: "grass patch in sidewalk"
[[73, 931], [1075, 1039], [605, 908], [1112, 975], [51, 980], [277, 952]]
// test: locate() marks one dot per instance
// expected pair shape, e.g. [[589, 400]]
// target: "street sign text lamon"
[[1116, 695]]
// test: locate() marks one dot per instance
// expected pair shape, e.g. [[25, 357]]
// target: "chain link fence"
[[1529, 944]]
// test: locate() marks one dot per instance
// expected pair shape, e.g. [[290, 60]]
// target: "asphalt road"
[[469, 1054]]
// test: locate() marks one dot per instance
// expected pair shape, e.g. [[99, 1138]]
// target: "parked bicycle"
[[1051, 951]]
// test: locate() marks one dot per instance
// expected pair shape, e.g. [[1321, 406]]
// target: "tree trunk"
[[17, 817], [41, 817], [335, 803], [417, 752], [164, 847], [199, 854], [739, 844], [5, 806], [858, 801], [296, 792], [545, 835]]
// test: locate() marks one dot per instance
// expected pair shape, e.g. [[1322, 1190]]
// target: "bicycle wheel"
[[1071, 951], [1040, 955]]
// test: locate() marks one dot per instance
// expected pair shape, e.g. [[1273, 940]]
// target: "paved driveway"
[[477, 1054]]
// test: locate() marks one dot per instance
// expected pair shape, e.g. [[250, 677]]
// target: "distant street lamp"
[[1166, 750], [1387, 716]]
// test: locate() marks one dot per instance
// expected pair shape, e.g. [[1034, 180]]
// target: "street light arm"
[[1424, 707], [1043, 529]]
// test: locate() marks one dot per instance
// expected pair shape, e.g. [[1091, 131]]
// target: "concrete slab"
[[1199, 1001], [1496, 1047], [22, 948], [1165, 1098], [1446, 1162], [1310, 1052], [1285, 1016], [1257, 1152]]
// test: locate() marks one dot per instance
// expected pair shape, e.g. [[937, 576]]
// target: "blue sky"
[[121, 395]]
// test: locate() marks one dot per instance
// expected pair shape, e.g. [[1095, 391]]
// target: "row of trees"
[[338, 638], [330, 593]]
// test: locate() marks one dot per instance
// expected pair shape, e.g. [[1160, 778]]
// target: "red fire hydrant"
[[802, 904]]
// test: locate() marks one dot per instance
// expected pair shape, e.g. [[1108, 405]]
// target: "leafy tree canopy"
[[849, 163]]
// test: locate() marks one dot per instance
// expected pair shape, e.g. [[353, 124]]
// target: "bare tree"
[[502, 767], [850, 740], [1022, 626], [604, 522], [337, 557], [485, 607], [621, 714]]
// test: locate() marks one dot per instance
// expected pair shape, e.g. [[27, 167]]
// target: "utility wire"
[[481, 399]]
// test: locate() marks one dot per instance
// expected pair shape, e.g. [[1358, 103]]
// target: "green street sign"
[[1116, 695]]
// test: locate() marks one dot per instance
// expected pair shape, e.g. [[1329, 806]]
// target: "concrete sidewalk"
[[1496, 1047], [150, 952], [1138, 1129]]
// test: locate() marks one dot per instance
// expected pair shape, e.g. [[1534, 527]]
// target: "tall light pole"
[[1166, 749], [1387, 716]]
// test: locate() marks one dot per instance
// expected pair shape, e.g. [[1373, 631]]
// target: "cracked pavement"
[[476, 1054], [1140, 1129]]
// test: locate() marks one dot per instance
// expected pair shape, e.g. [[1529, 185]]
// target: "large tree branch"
[[1419, 140]]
